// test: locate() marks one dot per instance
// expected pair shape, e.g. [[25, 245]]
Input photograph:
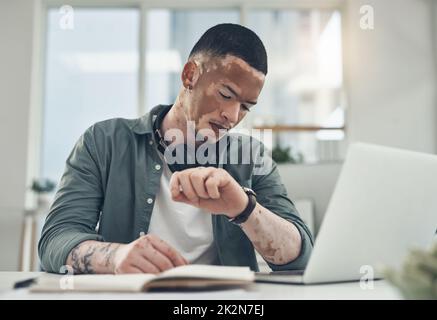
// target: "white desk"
[[261, 291]]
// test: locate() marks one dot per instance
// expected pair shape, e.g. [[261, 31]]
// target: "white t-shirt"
[[184, 227]]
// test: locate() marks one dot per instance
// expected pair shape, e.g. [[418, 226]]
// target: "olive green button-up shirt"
[[108, 191]]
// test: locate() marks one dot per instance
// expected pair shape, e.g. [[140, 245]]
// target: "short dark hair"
[[236, 40]]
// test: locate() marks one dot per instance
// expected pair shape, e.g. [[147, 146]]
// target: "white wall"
[[391, 75], [16, 24], [315, 182]]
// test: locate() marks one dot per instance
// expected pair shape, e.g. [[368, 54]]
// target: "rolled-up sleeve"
[[75, 211], [271, 194]]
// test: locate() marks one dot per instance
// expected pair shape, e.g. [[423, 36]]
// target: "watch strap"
[[245, 214]]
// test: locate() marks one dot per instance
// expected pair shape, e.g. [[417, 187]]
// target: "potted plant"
[[41, 187], [285, 155], [417, 278]]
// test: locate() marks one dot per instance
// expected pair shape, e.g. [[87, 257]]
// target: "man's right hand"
[[147, 254]]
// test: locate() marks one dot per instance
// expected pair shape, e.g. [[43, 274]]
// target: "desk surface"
[[261, 291]]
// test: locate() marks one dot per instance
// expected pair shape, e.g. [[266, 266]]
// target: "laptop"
[[383, 205]]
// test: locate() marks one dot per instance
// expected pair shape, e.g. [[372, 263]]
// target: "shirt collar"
[[144, 125]]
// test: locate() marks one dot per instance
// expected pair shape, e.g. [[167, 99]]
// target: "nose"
[[231, 113]]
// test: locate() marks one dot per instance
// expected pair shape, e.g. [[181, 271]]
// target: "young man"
[[153, 215]]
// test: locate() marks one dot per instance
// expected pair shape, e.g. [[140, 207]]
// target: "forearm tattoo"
[[92, 257]]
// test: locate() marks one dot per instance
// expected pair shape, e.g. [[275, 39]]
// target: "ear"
[[190, 74]]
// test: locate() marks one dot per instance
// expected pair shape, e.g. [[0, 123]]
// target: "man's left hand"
[[211, 189]]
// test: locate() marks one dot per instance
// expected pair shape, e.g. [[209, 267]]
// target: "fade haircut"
[[236, 40]]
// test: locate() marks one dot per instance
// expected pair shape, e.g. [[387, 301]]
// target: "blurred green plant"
[[417, 278], [42, 186], [285, 155]]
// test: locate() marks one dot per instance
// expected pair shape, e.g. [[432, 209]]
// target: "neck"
[[176, 118]]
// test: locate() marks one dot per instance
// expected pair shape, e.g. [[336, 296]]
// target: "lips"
[[218, 126]]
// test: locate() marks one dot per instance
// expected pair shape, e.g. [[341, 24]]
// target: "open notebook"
[[184, 277]]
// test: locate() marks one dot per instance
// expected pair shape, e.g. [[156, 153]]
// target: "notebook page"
[[209, 272], [92, 283]]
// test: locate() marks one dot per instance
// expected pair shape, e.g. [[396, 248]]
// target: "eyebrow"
[[236, 94]]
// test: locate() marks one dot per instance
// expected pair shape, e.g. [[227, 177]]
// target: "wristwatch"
[[243, 216]]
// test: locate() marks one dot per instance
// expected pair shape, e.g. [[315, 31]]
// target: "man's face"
[[226, 89]]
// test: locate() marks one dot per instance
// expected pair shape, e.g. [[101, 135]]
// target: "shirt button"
[[150, 142], [149, 200], [142, 233], [158, 167]]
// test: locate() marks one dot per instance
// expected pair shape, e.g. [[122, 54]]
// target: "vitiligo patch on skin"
[[210, 90], [209, 63], [230, 61], [272, 244]]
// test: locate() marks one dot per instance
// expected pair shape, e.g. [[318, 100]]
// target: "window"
[[91, 75], [304, 86]]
